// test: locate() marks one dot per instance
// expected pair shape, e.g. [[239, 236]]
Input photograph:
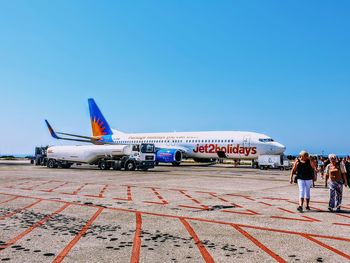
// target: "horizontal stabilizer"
[[54, 135]]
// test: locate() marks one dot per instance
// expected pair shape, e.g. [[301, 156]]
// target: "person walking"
[[347, 168], [313, 160], [304, 169], [320, 167], [335, 177]]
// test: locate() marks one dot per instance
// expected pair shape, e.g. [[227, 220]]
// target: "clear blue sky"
[[276, 67]]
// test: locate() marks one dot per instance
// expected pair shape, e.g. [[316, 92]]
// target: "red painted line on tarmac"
[[36, 185], [20, 209], [323, 202], [13, 186], [136, 247], [103, 190], [191, 218], [95, 196], [253, 212], [294, 232], [259, 244], [243, 196], [174, 189], [77, 190], [163, 201], [286, 210], [205, 254], [311, 218], [340, 253], [224, 200], [272, 198], [193, 207], [72, 243], [129, 197], [9, 200], [100, 195], [240, 213], [267, 204], [313, 207], [53, 189], [342, 215], [292, 218], [128, 185], [155, 203], [204, 192], [31, 228], [193, 200]]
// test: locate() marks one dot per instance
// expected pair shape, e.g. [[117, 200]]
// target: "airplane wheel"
[[130, 166]]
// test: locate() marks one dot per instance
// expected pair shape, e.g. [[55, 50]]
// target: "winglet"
[[99, 124], [52, 132]]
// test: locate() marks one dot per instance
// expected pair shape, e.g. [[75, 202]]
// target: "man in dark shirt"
[[347, 167]]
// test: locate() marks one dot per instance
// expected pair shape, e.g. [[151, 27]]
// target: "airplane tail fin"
[[99, 124], [52, 132]]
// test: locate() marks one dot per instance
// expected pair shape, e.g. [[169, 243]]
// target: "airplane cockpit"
[[271, 146], [266, 140]]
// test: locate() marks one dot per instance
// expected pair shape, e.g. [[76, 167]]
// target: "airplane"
[[173, 147]]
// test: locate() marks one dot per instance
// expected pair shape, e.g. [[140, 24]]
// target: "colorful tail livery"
[[52, 132], [98, 123], [81, 137]]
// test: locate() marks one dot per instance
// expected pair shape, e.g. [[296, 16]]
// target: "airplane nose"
[[281, 148]]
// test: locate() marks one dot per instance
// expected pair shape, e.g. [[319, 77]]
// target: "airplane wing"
[[81, 138]]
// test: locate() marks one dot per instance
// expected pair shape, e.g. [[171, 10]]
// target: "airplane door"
[[246, 141]]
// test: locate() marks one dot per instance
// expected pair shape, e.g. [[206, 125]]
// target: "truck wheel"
[[66, 165], [130, 166], [104, 165], [117, 165], [282, 168], [52, 163]]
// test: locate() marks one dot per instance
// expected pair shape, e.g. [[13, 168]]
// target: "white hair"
[[302, 153], [331, 156]]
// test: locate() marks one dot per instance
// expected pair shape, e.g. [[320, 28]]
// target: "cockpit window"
[[266, 140]]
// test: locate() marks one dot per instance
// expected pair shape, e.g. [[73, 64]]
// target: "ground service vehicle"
[[273, 161], [127, 157], [40, 156]]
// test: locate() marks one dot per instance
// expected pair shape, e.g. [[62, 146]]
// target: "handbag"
[[296, 177]]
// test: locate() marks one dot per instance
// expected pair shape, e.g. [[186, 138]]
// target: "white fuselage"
[[235, 144]]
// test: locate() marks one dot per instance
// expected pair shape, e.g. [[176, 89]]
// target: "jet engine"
[[173, 156]]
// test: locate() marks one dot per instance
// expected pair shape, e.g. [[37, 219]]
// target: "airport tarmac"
[[168, 214]]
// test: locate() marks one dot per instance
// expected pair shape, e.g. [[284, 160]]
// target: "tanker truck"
[[117, 157]]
